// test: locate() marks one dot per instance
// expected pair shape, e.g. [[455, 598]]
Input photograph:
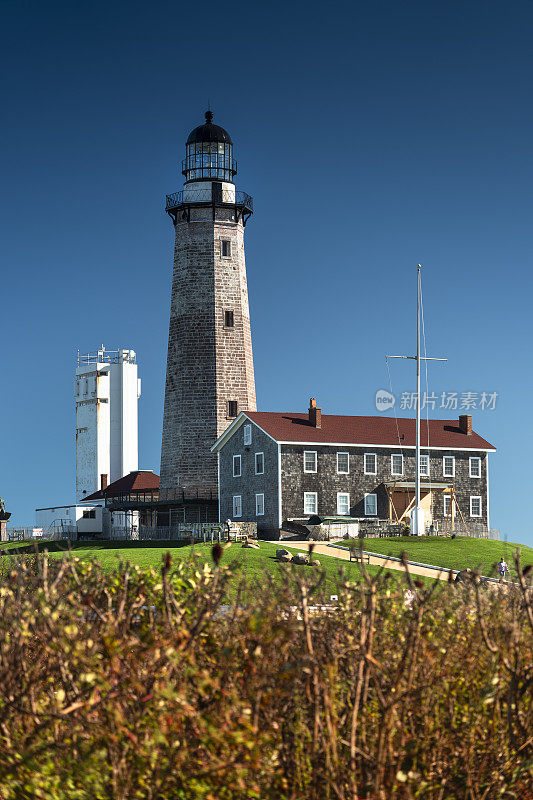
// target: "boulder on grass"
[[252, 544], [318, 533], [280, 552], [300, 558], [315, 563], [286, 558]]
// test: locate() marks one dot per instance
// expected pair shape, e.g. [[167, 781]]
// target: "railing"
[[184, 531], [106, 356], [27, 534], [189, 531], [203, 196]]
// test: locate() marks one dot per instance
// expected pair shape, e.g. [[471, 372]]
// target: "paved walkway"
[[324, 548]]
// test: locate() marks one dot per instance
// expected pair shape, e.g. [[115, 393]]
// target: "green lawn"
[[457, 553], [253, 563]]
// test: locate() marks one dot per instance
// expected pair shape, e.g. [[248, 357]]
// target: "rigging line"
[[395, 415], [427, 382]]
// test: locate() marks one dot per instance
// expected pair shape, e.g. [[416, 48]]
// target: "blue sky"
[[373, 136]]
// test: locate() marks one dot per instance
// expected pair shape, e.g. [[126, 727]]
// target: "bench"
[[359, 555]]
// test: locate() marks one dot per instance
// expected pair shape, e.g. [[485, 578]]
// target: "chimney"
[[315, 414], [465, 423], [103, 481]]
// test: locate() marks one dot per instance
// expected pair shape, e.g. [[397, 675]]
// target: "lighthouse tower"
[[210, 372]]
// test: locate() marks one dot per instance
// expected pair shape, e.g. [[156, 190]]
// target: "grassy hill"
[[457, 553], [450, 553], [252, 563]]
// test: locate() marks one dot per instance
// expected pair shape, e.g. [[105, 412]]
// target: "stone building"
[[276, 468], [210, 373]]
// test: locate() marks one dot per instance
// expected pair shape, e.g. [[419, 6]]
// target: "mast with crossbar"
[[417, 514]]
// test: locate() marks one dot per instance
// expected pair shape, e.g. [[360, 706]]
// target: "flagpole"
[[417, 459], [417, 524]]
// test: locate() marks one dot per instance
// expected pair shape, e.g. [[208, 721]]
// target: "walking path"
[[328, 549]]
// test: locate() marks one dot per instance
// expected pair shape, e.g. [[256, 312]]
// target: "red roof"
[[139, 481], [366, 431]]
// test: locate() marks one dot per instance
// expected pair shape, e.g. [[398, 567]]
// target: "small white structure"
[[107, 390], [73, 519]]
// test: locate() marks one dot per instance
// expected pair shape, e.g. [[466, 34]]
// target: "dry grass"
[[138, 684]]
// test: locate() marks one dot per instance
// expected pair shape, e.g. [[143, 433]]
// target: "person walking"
[[502, 568]]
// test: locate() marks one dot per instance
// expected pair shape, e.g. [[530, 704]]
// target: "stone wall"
[[250, 484], [207, 364], [326, 482]]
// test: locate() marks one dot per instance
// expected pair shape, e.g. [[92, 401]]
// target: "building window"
[[371, 462], [232, 408], [225, 248], [236, 466], [309, 460], [343, 503], [310, 503], [259, 463], [343, 463], [237, 505], [475, 467], [424, 465], [371, 505], [475, 506], [247, 434], [228, 319], [448, 466], [88, 514], [259, 505], [446, 500], [396, 464]]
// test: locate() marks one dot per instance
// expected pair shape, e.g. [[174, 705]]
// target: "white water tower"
[[107, 391]]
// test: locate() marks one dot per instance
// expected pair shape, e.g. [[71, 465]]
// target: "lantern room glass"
[[209, 161]]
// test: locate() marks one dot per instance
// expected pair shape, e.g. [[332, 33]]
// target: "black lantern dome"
[[209, 153], [209, 132]]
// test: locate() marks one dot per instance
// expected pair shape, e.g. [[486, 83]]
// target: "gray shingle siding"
[[326, 482], [249, 484]]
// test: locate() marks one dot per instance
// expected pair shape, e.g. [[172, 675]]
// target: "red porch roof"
[[139, 481]]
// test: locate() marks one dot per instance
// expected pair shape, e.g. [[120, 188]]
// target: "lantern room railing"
[[190, 197]]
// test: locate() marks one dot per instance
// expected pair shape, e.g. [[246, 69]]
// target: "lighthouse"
[[210, 372]]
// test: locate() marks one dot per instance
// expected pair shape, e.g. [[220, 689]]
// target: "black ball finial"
[[209, 116]]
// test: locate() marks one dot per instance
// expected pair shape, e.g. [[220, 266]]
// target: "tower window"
[[228, 319], [232, 408], [225, 248]]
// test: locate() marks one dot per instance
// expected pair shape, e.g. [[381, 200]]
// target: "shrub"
[[135, 684]]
